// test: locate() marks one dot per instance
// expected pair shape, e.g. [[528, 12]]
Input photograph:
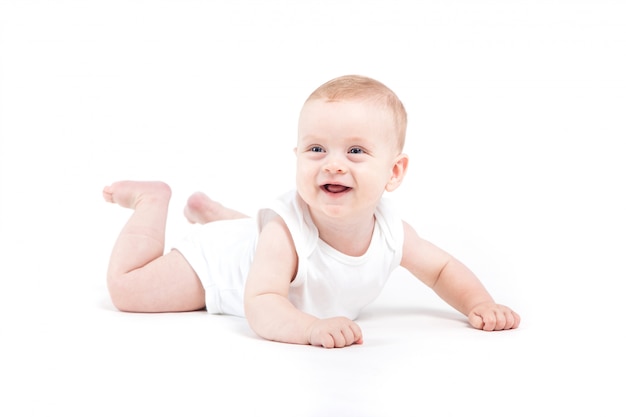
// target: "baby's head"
[[357, 87], [350, 138]]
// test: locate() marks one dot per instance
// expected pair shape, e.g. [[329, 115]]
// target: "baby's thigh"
[[167, 284]]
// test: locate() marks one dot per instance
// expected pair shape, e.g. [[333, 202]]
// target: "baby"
[[303, 268]]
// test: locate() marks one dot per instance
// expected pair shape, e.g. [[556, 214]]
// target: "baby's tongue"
[[336, 188]]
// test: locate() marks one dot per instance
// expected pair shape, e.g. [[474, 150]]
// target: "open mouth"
[[336, 188]]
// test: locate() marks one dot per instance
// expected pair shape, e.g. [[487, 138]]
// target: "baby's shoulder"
[[275, 244]]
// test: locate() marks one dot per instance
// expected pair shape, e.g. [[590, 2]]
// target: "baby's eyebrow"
[[309, 138]]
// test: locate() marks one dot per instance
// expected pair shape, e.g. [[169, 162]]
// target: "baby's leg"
[[201, 209], [140, 278]]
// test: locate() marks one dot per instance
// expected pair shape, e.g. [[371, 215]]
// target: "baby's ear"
[[295, 151], [398, 171]]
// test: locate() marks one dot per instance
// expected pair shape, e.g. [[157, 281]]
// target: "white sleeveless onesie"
[[328, 283]]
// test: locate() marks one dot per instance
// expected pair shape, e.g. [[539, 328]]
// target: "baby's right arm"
[[268, 310]]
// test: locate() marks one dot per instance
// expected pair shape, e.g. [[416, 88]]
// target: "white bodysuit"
[[328, 283]]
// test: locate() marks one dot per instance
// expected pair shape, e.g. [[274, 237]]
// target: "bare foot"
[[129, 194], [201, 209]]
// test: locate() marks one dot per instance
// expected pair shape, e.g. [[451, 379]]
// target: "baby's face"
[[346, 155]]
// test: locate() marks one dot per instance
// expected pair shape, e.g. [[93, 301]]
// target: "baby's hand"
[[336, 332], [491, 316]]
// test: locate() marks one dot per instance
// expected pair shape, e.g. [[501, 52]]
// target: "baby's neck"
[[352, 238]]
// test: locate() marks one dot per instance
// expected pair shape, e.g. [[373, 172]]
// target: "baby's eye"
[[317, 149], [355, 150]]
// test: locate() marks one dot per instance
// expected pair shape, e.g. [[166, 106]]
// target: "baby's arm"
[[455, 284], [269, 312]]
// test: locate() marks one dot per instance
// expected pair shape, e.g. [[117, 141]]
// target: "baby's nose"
[[335, 166]]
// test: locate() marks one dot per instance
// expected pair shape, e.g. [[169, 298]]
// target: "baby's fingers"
[[339, 338], [336, 333], [345, 336], [513, 320], [356, 336], [476, 321], [496, 318]]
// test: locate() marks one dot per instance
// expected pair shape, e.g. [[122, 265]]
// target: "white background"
[[516, 131]]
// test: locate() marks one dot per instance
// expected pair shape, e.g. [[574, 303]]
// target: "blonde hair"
[[349, 87]]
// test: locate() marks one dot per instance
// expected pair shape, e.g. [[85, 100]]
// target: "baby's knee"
[[120, 293]]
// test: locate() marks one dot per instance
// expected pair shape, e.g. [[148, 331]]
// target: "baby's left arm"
[[455, 284]]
